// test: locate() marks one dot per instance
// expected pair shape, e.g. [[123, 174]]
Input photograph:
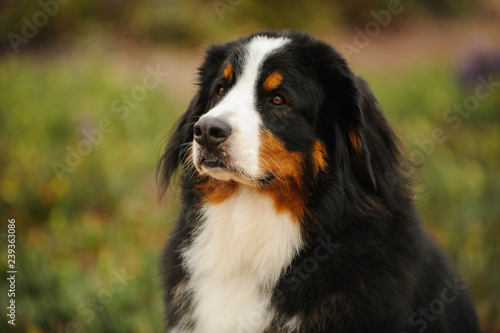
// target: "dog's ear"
[[343, 120], [358, 133], [176, 147]]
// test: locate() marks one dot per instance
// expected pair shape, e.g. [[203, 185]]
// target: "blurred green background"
[[82, 117]]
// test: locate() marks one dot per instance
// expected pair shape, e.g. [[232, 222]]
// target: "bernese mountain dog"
[[297, 212]]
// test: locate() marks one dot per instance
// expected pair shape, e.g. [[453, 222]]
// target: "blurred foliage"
[[194, 21], [76, 233]]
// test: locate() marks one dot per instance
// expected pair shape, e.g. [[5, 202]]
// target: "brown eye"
[[221, 91], [277, 100]]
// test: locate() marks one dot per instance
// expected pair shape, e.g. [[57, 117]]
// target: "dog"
[[297, 213]]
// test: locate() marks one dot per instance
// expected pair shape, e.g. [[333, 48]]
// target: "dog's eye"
[[278, 100], [221, 91]]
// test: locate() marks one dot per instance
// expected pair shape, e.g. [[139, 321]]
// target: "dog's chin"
[[227, 172], [230, 176]]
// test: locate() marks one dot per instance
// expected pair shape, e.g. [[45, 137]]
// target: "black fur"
[[368, 266]]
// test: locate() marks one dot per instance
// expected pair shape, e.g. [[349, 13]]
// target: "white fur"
[[238, 108], [241, 245], [293, 324], [238, 253]]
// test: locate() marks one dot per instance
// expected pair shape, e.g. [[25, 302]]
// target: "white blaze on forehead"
[[238, 107], [257, 51]]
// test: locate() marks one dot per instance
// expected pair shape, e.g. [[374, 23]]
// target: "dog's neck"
[[237, 254]]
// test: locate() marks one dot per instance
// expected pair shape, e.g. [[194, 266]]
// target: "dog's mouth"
[[212, 162], [220, 166], [217, 164], [215, 160]]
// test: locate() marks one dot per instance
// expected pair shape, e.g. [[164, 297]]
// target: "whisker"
[[269, 168], [272, 160], [189, 124]]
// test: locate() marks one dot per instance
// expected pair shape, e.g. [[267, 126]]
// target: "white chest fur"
[[238, 252]]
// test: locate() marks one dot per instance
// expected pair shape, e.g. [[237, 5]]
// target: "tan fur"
[[273, 81], [228, 73], [216, 191], [355, 139], [288, 191], [319, 156]]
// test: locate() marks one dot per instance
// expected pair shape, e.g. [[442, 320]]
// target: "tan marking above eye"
[[273, 81], [228, 73]]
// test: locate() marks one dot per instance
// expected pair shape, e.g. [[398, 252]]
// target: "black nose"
[[210, 132]]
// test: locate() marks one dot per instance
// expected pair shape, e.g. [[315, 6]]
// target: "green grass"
[[75, 233]]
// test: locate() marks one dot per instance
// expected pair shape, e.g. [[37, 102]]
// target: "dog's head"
[[282, 110]]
